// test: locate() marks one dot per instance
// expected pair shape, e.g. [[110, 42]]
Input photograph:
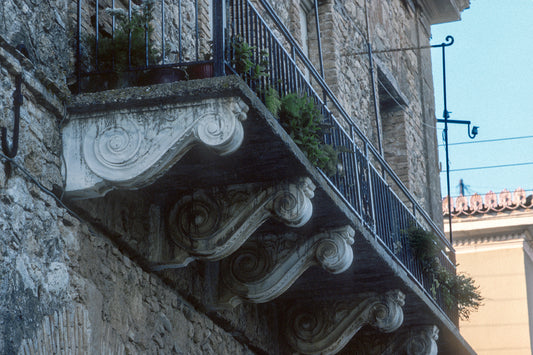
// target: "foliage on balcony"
[[303, 121], [119, 52], [457, 290], [244, 62]]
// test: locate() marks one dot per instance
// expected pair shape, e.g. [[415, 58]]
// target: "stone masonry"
[[56, 269]]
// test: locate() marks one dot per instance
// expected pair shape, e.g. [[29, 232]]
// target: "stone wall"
[[61, 279], [46, 29]]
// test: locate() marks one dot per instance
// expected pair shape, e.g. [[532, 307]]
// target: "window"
[[306, 7]]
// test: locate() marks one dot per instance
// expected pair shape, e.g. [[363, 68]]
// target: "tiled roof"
[[505, 200]]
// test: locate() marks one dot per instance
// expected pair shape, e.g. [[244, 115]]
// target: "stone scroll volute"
[[212, 224], [130, 148], [325, 328], [264, 268]]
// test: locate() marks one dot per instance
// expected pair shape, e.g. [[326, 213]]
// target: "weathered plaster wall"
[[502, 324], [58, 275]]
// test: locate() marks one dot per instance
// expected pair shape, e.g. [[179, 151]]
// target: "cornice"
[[440, 11]]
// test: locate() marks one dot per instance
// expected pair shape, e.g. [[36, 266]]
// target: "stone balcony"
[[200, 172]]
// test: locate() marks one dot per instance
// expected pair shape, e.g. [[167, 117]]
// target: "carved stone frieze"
[[267, 266], [326, 328], [130, 148], [213, 224]]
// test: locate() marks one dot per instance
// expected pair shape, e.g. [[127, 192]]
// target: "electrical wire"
[[488, 140], [490, 167]]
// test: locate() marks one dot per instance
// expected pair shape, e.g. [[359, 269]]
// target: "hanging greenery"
[[244, 62], [455, 289], [302, 120]]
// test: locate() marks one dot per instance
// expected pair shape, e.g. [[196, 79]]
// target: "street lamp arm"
[[472, 133]]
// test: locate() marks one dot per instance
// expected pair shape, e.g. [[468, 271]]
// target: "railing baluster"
[[163, 49], [180, 45], [113, 36], [196, 30], [78, 50], [129, 35], [219, 32], [96, 36]]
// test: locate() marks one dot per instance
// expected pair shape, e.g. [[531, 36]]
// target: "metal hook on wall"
[[11, 150]]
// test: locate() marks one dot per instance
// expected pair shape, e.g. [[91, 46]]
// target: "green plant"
[[455, 289], [113, 52], [273, 101], [244, 61], [302, 120]]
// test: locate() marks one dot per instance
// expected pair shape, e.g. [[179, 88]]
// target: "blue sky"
[[489, 72]]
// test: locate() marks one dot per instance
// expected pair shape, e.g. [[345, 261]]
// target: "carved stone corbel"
[[266, 267], [421, 340], [326, 328], [414, 340], [130, 148], [213, 224]]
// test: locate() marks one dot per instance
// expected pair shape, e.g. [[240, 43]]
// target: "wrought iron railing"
[[367, 184]]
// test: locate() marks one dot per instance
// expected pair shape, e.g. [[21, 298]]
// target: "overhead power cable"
[[488, 140], [491, 167]]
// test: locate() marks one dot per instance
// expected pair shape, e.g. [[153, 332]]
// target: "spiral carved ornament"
[[111, 149], [263, 269], [327, 328], [292, 204], [387, 314], [193, 220], [422, 341], [251, 263], [335, 252], [222, 129]]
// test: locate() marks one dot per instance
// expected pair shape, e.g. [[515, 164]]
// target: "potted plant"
[[122, 56], [202, 70]]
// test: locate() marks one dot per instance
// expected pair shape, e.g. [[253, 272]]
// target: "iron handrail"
[[324, 86], [372, 189]]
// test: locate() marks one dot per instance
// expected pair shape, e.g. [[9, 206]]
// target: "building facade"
[[492, 238], [157, 194]]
